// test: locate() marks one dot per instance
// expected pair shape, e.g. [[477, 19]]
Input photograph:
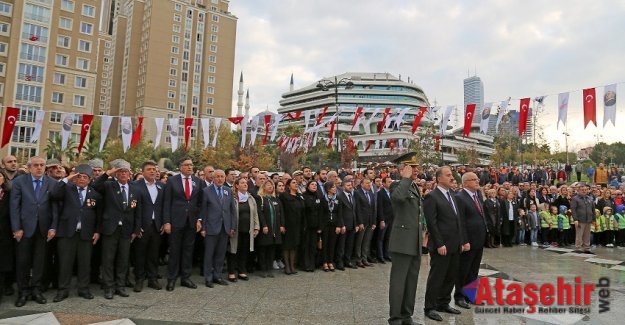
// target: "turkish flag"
[[468, 119], [382, 123], [524, 108], [320, 117], [9, 123], [590, 107], [86, 126], [392, 145], [437, 139], [236, 119], [331, 133], [356, 116], [267, 121], [187, 131], [294, 116], [136, 136], [417, 118], [369, 143]]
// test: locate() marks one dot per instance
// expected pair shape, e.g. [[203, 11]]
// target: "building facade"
[[474, 94]]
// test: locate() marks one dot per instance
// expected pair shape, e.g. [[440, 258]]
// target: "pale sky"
[[518, 48]]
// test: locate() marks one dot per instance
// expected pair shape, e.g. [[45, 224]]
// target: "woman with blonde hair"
[[271, 220]]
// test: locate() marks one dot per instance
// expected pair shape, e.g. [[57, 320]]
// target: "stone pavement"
[[350, 297]]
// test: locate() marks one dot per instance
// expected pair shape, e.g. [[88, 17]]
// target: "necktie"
[[38, 189], [477, 203], [125, 202], [349, 198], [187, 188], [451, 202], [81, 195], [368, 198]]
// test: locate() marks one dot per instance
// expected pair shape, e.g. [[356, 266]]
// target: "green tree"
[[424, 144], [136, 155], [54, 149]]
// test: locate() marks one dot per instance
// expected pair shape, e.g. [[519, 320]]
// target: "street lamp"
[[325, 85], [566, 145]]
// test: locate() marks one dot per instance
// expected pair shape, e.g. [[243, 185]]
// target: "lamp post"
[[566, 145], [325, 85]]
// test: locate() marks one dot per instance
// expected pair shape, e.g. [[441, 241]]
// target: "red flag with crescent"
[[331, 137], [417, 118], [468, 119], [323, 113], [9, 123], [524, 108], [236, 119], [357, 116], [86, 126], [437, 140], [292, 116], [590, 107], [369, 143], [392, 144], [382, 123], [136, 136], [187, 131], [267, 121]]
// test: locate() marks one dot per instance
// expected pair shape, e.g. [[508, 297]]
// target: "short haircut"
[[148, 163], [228, 170], [183, 159]]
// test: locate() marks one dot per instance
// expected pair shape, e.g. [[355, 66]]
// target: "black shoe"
[[60, 296], [39, 298], [359, 264], [121, 292], [381, 260], [463, 304], [351, 265], [340, 267], [234, 279], [108, 294], [209, 284], [171, 284], [244, 277], [154, 284], [21, 301], [221, 282], [448, 309], [188, 283], [431, 314], [388, 259], [372, 260], [138, 286], [85, 294]]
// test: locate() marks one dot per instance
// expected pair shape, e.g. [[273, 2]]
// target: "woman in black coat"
[[331, 224], [492, 207], [293, 207], [7, 265], [271, 220], [312, 225]]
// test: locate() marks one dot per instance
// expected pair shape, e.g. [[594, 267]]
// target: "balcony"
[[29, 77], [30, 98], [34, 37], [32, 57]]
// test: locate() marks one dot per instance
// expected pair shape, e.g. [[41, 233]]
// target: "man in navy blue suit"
[[33, 222], [219, 222]]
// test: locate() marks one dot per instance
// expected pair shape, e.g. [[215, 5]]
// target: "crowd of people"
[[118, 225]]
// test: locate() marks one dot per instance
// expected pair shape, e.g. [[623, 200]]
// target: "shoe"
[[331, 267], [243, 277], [371, 260], [448, 309], [534, 244], [388, 259], [365, 263], [270, 274], [232, 278], [85, 294], [154, 284], [209, 284], [21, 301], [351, 266], [463, 304], [171, 284], [188, 283], [326, 268], [359, 264], [60, 296], [340, 267], [221, 282], [39, 298], [108, 294], [121, 292], [431, 314], [138, 286], [381, 260]]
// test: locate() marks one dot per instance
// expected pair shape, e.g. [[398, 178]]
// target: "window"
[[213, 48], [209, 100], [34, 33], [210, 90], [173, 60], [28, 93], [2, 69], [57, 97], [58, 78], [1, 90], [176, 28], [211, 69], [209, 111], [88, 10], [170, 105], [84, 46], [32, 52], [86, 28], [55, 117], [67, 5], [3, 48], [27, 113], [174, 49], [82, 64], [175, 39], [60, 59], [216, 18], [65, 23], [172, 83], [30, 72], [177, 18], [214, 38], [185, 66], [171, 94], [214, 28], [79, 100], [63, 41], [177, 7], [5, 9], [22, 134], [37, 13], [211, 79], [212, 58], [80, 82], [173, 72]]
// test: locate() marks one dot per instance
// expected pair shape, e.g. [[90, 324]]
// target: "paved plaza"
[[350, 297]]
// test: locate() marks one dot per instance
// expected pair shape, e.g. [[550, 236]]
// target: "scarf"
[[243, 197]]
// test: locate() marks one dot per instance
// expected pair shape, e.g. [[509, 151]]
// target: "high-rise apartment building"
[[151, 58], [474, 94]]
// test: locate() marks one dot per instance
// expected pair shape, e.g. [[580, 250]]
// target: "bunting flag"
[[563, 107], [437, 140], [267, 121], [357, 116], [104, 129], [236, 119], [254, 129], [331, 136], [10, 117], [446, 117], [503, 110], [244, 131], [373, 115], [39, 116], [540, 100], [174, 124], [306, 121], [609, 104], [485, 117], [399, 119], [126, 127], [294, 116], [159, 121], [205, 131], [590, 107], [369, 143], [524, 106], [136, 136], [321, 115], [188, 122], [417, 118], [281, 141], [217, 122], [392, 144], [382, 123], [468, 119], [66, 130], [84, 130], [274, 126]]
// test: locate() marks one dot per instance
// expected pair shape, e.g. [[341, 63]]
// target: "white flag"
[[375, 112], [446, 116], [217, 122], [400, 117], [39, 116], [254, 129], [205, 130], [174, 122], [563, 107], [609, 104], [66, 131], [503, 110], [126, 127], [485, 117], [104, 129], [306, 119], [274, 126], [159, 131], [243, 130]]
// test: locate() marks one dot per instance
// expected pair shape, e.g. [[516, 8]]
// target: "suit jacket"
[[493, 215], [177, 210], [114, 210], [385, 208], [444, 225], [365, 209], [509, 228], [407, 210], [87, 213], [27, 211], [148, 208], [474, 220], [347, 211], [218, 212]]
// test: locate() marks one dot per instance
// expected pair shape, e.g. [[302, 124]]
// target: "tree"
[[424, 145], [222, 155], [468, 156], [136, 155], [54, 148]]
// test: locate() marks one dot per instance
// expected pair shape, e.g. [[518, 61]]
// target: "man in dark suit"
[[445, 244], [33, 222], [219, 222], [120, 224], [347, 216], [146, 247], [471, 209], [76, 233], [384, 219], [405, 246], [366, 215], [181, 210]]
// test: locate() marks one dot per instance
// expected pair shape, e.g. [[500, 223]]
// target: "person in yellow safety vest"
[[620, 222], [553, 226], [610, 227], [563, 226], [544, 223], [599, 227]]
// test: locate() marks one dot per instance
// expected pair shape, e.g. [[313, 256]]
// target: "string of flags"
[[390, 119]]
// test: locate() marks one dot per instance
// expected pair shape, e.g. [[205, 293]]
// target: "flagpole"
[[325, 85]]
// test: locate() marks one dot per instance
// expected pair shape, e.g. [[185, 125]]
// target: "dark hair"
[[7, 182], [148, 163], [328, 185], [384, 179], [228, 170], [183, 159], [439, 171], [308, 185], [288, 183]]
